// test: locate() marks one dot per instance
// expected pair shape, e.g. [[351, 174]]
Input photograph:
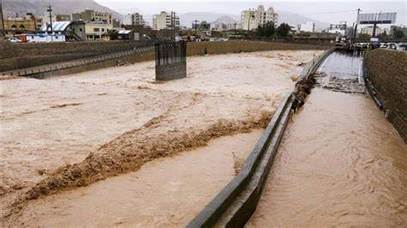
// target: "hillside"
[[38, 7]]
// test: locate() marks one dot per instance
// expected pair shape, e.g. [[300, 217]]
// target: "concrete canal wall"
[[19, 56], [387, 70]]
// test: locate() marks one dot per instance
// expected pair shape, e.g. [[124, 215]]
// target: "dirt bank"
[[49, 124]]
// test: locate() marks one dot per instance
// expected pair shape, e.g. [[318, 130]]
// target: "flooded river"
[[340, 164]]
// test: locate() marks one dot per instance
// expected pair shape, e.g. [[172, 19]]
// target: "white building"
[[309, 26], [165, 20], [253, 18]]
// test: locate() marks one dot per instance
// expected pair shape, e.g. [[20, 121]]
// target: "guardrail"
[[33, 71], [234, 205]]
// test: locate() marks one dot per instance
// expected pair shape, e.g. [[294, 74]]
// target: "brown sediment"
[[130, 151]]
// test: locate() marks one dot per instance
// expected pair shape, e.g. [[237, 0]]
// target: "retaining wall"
[[236, 46], [387, 71], [17, 56]]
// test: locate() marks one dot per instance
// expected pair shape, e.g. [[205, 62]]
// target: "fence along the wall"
[[170, 60]]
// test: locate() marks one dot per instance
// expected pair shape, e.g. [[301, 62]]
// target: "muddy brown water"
[[340, 164]]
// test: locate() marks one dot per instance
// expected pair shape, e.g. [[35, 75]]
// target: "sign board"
[[377, 18]]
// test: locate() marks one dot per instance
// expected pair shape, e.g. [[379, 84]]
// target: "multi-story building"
[[165, 20], [27, 23], [97, 24], [253, 18], [93, 16], [137, 19]]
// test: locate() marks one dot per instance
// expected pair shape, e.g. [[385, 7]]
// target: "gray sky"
[[325, 11]]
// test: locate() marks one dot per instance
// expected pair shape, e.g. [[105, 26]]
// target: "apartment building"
[[97, 23], [253, 18], [165, 20], [137, 19]]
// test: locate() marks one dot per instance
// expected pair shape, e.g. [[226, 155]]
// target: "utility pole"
[[2, 32], [356, 26], [173, 24], [248, 24], [49, 10]]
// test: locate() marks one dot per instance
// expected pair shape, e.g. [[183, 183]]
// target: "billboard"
[[377, 18]]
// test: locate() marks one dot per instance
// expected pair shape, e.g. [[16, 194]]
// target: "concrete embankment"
[[387, 70]]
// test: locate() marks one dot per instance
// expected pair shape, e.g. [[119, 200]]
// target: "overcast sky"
[[325, 11]]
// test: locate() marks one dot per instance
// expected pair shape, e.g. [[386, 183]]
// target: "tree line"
[[272, 31]]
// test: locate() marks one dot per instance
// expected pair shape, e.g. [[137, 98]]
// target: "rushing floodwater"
[[341, 164], [341, 72]]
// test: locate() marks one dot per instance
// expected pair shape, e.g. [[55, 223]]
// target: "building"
[[63, 17], [309, 26], [72, 30], [253, 18], [165, 20], [369, 30], [92, 16], [117, 24], [97, 24], [137, 19], [14, 25]]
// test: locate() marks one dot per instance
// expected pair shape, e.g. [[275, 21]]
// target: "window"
[[103, 29], [96, 29]]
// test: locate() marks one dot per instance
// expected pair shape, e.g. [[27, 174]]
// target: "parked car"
[[401, 47], [14, 40]]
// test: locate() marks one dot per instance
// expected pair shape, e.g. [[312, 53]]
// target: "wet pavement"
[[340, 164]]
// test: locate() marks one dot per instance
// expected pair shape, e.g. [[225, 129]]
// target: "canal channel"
[[341, 163]]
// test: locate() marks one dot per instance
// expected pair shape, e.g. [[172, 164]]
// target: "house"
[[72, 30]]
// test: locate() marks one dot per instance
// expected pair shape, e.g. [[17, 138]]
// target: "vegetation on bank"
[[270, 30]]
